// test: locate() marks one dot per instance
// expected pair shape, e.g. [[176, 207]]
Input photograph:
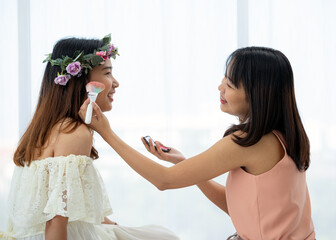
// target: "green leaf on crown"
[[96, 60], [57, 62], [104, 48], [87, 57], [66, 61], [107, 39], [78, 55], [48, 58]]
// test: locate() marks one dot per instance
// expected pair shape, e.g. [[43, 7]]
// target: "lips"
[[222, 100], [110, 96]]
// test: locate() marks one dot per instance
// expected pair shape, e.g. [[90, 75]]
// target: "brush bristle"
[[96, 87]]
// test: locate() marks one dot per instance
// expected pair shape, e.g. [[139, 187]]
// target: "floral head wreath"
[[80, 63]]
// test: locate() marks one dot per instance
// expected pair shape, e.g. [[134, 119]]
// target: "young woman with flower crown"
[[266, 154], [56, 192]]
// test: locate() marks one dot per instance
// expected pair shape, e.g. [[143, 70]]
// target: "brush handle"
[[88, 115]]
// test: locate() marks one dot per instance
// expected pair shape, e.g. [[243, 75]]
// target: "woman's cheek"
[[100, 99]]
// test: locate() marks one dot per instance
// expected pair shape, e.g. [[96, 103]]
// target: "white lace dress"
[[71, 187]]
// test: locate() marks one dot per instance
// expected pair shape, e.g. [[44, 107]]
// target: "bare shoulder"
[[264, 155], [78, 141], [81, 130], [255, 159]]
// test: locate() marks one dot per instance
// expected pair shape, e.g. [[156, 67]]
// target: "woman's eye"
[[108, 73], [229, 85]]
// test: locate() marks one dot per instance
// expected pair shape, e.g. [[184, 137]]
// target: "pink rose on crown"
[[74, 68], [62, 79], [102, 54]]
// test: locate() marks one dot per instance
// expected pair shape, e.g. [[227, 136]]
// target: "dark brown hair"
[[56, 103], [267, 78]]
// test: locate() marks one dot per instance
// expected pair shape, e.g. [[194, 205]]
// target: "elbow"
[[166, 181], [162, 186], [165, 184]]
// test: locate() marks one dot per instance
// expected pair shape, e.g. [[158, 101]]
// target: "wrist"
[[178, 161], [110, 137], [106, 133]]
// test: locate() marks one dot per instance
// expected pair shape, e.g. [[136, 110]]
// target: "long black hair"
[[267, 78]]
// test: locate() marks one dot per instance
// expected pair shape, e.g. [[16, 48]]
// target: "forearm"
[[149, 169], [56, 228], [215, 192]]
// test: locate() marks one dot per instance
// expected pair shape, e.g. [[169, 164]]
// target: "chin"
[[108, 108], [223, 109], [105, 107]]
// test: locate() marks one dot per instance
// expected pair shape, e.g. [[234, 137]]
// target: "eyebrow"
[[108, 67]]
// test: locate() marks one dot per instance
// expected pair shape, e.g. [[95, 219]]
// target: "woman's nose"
[[115, 83], [221, 86]]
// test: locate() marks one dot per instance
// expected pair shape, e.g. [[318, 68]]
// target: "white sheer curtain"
[[304, 32], [9, 98], [172, 60]]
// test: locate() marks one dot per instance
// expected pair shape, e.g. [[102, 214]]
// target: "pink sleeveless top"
[[274, 205]]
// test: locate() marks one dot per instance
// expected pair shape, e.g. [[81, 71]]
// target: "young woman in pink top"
[[266, 154]]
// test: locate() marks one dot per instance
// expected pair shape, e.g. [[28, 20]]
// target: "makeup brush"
[[92, 88]]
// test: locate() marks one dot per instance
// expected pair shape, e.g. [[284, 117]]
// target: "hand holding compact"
[[162, 152]]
